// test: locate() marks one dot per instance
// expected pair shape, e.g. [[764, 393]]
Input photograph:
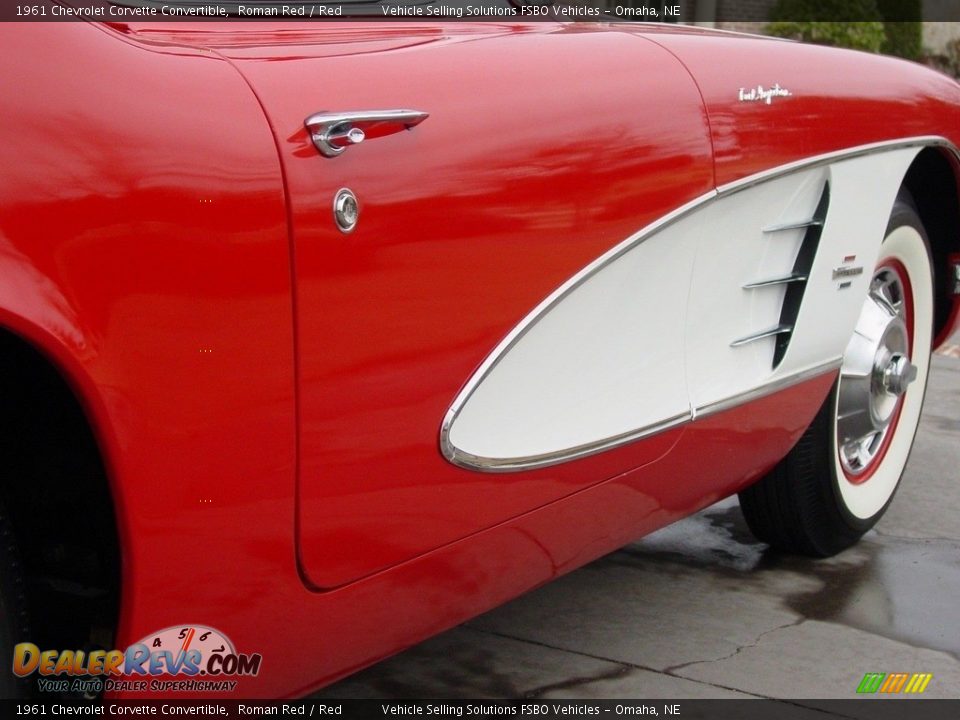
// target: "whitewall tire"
[[841, 476]]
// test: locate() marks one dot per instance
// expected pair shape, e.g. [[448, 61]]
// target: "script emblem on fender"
[[763, 94]]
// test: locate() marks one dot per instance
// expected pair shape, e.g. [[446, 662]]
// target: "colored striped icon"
[[918, 682], [892, 683]]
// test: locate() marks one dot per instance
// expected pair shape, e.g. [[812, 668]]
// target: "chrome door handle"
[[334, 132]]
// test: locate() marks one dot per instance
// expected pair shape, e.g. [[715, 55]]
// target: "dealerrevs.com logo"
[[895, 683], [185, 658]]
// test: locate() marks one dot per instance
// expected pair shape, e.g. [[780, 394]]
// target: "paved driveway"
[[702, 610]]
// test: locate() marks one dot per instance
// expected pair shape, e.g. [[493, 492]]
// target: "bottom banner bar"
[[875, 708]]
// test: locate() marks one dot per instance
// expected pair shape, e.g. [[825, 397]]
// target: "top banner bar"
[[671, 11]]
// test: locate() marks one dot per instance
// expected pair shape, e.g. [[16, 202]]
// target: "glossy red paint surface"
[[467, 221], [838, 99], [149, 248], [145, 249]]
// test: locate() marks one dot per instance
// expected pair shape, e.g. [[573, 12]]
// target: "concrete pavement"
[[701, 610]]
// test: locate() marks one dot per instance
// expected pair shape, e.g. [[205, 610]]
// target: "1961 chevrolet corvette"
[[319, 339]]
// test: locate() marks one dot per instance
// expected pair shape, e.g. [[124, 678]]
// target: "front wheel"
[[841, 476]]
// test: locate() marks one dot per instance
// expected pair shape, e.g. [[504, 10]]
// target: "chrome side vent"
[[801, 267], [771, 332], [785, 280], [799, 225], [795, 282]]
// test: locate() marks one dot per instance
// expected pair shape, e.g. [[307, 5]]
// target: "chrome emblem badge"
[[843, 272], [846, 271], [762, 94]]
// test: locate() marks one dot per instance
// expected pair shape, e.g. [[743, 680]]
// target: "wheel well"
[[54, 489], [932, 181]]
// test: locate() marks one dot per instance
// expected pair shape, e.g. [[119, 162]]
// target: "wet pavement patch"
[[902, 589]]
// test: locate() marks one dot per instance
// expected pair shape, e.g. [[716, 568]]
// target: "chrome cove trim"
[[473, 462], [832, 157], [481, 464], [785, 280], [769, 332], [532, 462], [769, 388]]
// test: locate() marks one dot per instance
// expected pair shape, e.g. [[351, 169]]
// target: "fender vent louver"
[[801, 268], [795, 282]]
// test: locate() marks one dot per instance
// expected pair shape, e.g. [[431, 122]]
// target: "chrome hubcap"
[[876, 373]]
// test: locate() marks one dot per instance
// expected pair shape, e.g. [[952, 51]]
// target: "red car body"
[[266, 391]]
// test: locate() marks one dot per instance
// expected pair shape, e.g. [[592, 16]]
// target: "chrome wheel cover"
[[875, 374]]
